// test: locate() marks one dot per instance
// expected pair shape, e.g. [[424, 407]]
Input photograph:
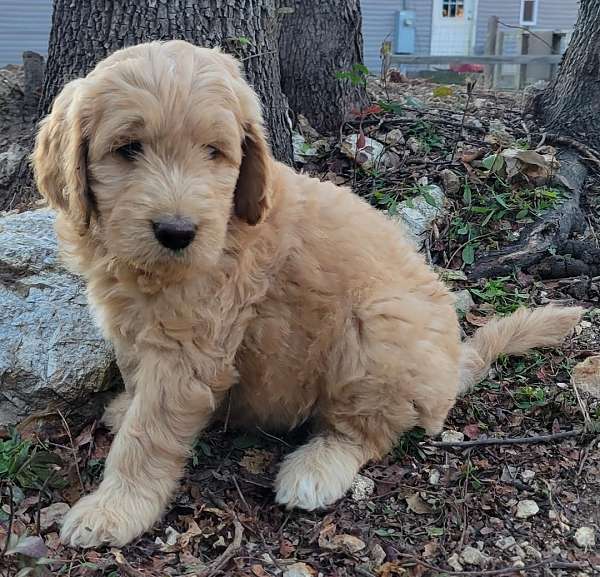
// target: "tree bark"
[[85, 32], [319, 39], [570, 105]]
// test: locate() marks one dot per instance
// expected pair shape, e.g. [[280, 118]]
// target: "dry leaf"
[[256, 461], [391, 569], [417, 505], [472, 431], [258, 570], [586, 376], [476, 320], [343, 542]]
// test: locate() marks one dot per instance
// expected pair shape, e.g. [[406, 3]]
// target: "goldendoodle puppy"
[[215, 269]]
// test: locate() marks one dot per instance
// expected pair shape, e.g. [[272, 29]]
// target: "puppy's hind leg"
[[319, 473]]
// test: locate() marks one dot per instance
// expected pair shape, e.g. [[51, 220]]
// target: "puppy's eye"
[[213, 152], [130, 150]]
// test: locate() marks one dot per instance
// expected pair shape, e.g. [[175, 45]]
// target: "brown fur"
[[295, 296]]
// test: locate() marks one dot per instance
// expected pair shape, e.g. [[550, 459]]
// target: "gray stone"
[[527, 508], [10, 161], [463, 301], [585, 537], [52, 356], [451, 181], [505, 543], [362, 488], [417, 214], [472, 556]]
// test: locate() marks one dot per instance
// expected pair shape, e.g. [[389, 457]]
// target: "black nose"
[[174, 232]]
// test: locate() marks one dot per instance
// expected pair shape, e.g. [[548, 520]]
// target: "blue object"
[[405, 38]]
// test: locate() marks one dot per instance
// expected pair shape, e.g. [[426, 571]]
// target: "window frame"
[[522, 21], [456, 6]]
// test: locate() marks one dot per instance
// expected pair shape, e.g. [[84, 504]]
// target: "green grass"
[[499, 295]]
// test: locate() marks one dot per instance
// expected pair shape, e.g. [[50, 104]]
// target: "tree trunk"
[[570, 105], [85, 32], [318, 40]]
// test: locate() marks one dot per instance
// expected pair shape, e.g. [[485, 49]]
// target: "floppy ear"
[[60, 159], [252, 195]]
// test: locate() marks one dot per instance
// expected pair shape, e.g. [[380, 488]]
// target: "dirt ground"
[[428, 509]]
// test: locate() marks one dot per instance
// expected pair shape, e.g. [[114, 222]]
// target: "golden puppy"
[[214, 269]]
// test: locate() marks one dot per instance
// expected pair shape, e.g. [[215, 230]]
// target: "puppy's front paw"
[[99, 519], [313, 478]]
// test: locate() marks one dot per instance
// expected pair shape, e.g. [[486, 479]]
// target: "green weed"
[[505, 300], [357, 75], [529, 397], [27, 465]]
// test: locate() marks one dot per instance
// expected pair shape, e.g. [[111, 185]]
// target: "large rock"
[[52, 356]]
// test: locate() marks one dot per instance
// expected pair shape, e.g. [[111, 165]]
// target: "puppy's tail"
[[514, 335]]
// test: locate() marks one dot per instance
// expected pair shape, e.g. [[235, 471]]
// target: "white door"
[[452, 26]]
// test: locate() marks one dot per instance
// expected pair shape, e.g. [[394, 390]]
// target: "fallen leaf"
[[472, 431], [586, 376], [286, 548], [52, 515], [476, 320], [299, 570], [390, 569], [417, 505], [442, 91], [258, 570], [256, 461], [31, 546], [332, 542]]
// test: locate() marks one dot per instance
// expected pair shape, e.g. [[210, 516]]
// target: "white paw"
[[315, 476], [99, 519]]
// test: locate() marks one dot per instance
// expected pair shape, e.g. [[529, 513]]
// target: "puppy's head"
[[155, 152]]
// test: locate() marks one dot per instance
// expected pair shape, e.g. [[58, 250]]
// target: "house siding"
[[557, 14], [552, 15], [24, 25], [379, 22]]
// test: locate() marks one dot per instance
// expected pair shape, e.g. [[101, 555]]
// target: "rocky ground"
[[470, 174]]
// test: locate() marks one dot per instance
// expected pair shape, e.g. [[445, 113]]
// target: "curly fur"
[[296, 297]]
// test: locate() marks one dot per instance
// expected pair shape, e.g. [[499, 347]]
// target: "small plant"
[[529, 397], [409, 444], [26, 465], [496, 293], [426, 133], [357, 75], [469, 474]]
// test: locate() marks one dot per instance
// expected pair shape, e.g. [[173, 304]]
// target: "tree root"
[[544, 237]]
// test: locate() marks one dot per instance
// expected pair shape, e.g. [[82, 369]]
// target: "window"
[[529, 10], [453, 8]]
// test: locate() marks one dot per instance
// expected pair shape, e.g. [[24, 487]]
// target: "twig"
[[513, 441], [462, 120], [239, 490], [217, 565], [272, 436], [553, 51], [11, 516], [38, 511], [73, 449]]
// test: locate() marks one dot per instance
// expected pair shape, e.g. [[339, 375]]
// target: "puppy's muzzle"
[[174, 232]]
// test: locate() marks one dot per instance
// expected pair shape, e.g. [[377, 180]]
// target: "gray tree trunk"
[[570, 105], [86, 31], [317, 40]]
